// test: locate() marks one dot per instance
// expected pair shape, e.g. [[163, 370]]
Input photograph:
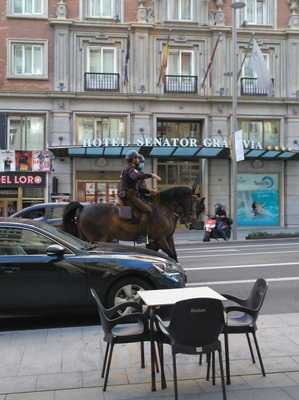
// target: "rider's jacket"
[[129, 180]]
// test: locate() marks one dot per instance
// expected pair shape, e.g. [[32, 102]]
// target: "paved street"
[[234, 266]]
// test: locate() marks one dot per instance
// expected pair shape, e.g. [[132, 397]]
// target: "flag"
[[126, 74], [259, 67], [164, 63], [211, 60], [239, 148]]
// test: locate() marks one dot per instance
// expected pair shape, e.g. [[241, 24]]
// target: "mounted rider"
[[130, 180]]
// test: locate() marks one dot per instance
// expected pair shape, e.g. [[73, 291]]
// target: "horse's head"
[[181, 200]]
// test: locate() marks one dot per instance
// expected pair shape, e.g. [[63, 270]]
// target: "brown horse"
[[101, 222]]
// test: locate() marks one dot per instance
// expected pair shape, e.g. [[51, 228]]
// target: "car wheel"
[[126, 290]]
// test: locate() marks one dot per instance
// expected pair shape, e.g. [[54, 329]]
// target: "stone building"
[[80, 77]]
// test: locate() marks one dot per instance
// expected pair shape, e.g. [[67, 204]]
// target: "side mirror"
[[55, 250]]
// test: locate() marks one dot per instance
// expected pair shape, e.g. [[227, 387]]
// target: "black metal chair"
[[245, 321], [127, 328], [194, 328]]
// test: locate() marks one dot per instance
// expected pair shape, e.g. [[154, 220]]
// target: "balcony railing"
[[249, 87], [180, 84], [101, 81]]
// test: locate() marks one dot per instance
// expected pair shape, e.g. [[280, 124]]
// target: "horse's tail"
[[70, 218]]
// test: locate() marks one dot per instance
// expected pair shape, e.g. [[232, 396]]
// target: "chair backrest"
[[101, 311], [196, 322], [257, 295]]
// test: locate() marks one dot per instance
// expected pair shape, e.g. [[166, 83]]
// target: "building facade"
[[81, 78]]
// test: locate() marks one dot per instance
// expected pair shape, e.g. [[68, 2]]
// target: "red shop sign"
[[37, 179]]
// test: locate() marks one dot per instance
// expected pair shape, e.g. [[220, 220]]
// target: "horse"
[[101, 222]]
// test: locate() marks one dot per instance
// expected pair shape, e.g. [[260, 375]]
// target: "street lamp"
[[236, 5]]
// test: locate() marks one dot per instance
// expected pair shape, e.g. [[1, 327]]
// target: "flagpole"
[[211, 60], [234, 166]]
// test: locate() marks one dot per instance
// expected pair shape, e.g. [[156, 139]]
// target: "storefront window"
[[90, 128], [97, 192], [178, 173], [26, 133], [264, 132]]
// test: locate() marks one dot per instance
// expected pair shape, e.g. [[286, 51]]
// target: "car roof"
[[22, 221], [38, 207]]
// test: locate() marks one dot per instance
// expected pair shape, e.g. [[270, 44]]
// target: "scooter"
[[210, 231]]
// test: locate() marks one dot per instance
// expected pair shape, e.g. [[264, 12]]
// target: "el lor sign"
[[168, 142]]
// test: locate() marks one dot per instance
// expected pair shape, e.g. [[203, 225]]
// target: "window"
[[26, 133], [180, 10], [256, 12], [179, 129], [178, 172], [28, 7], [180, 72], [15, 241], [247, 71], [101, 59], [180, 63], [28, 60], [265, 132], [90, 128], [101, 8]]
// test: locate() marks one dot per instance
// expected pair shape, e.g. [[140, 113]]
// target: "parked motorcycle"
[[212, 230]]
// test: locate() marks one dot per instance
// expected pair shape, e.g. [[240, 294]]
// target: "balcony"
[[101, 82], [249, 87], [180, 84]]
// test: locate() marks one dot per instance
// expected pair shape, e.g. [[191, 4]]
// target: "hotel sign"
[[168, 142], [33, 179]]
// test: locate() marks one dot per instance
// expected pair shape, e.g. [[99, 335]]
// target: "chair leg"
[[108, 367], [175, 378], [227, 359], [259, 354], [156, 357], [200, 359], [222, 373], [208, 366], [105, 361], [213, 368], [250, 348], [161, 354], [142, 354]]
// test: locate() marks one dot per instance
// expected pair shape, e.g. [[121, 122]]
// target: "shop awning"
[[171, 152]]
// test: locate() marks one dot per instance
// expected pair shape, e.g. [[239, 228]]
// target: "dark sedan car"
[[46, 272], [45, 212]]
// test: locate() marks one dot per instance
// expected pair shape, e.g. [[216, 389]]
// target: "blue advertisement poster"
[[258, 200]]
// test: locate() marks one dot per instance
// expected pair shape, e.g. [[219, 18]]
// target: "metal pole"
[[234, 165]]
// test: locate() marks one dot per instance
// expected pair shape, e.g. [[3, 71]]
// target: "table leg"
[[152, 351]]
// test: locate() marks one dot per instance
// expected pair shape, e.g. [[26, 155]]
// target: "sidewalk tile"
[[294, 376], [262, 394], [59, 381], [32, 396], [80, 394], [116, 377], [40, 360], [129, 392], [292, 391], [271, 380], [17, 384]]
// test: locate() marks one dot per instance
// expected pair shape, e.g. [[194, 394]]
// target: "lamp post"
[[236, 5]]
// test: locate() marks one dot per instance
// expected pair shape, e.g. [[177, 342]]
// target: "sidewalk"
[[60, 364], [185, 236]]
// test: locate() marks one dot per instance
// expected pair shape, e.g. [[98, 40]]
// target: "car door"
[[33, 282]]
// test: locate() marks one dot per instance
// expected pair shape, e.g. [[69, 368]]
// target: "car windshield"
[[68, 238]]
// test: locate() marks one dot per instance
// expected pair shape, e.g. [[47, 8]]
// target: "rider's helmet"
[[131, 155], [219, 209]]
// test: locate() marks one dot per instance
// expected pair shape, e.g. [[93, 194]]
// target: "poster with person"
[[23, 161], [258, 200], [7, 160]]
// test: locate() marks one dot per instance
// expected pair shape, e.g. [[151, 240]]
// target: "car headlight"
[[167, 268]]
